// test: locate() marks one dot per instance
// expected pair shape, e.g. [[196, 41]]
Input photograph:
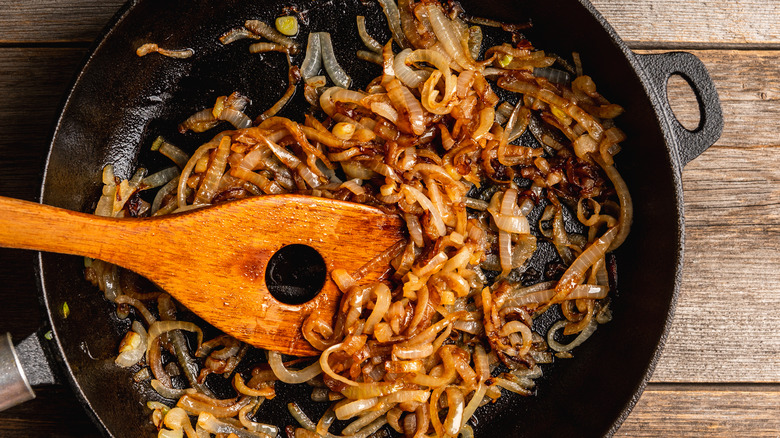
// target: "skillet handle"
[[21, 367], [660, 67], [14, 386]]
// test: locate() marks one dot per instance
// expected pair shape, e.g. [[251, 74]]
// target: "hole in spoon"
[[295, 274]]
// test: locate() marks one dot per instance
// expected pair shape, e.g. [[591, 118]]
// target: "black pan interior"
[[121, 103]]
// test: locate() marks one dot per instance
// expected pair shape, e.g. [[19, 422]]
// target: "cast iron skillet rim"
[[650, 90], [65, 367], [671, 144]]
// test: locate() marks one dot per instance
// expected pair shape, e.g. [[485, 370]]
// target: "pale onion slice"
[[405, 102], [160, 327], [518, 327], [312, 62], [582, 337], [585, 260], [169, 393], [474, 403], [328, 370], [137, 343], [236, 118], [375, 389], [383, 299], [182, 190], [404, 73], [335, 71], [386, 110], [366, 419], [415, 229], [369, 41], [176, 155], [413, 351], [211, 424], [292, 376], [455, 408], [210, 182], [160, 178], [393, 15], [447, 35], [583, 291], [354, 407]]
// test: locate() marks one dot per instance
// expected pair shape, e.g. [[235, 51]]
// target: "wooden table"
[[720, 371]]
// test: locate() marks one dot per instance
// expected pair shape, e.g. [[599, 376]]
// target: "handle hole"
[[684, 102], [295, 274]]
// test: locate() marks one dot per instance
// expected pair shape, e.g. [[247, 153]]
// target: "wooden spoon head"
[[220, 271]]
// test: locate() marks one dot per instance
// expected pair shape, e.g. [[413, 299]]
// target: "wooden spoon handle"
[[214, 260], [29, 225]]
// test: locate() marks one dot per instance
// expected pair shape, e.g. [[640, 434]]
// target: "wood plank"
[[688, 23], [55, 412], [660, 23], [54, 21], [33, 82], [704, 413], [724, 329]]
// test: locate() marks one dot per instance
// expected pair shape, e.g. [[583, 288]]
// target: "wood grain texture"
[[704, 413], [731, 281], [657, 23], [54, 21], [32, 83], [690, 23], [54, 413]]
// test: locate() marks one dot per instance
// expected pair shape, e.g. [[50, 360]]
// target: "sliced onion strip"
[[335, 72], [292, 376]]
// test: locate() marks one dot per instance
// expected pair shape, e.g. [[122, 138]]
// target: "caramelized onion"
[[576, 271], [171, 53], [426, 203]]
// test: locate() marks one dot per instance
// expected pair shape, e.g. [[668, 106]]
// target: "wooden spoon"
[[213, 260]]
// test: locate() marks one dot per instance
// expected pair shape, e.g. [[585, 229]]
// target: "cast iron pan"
[[120, 103]]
